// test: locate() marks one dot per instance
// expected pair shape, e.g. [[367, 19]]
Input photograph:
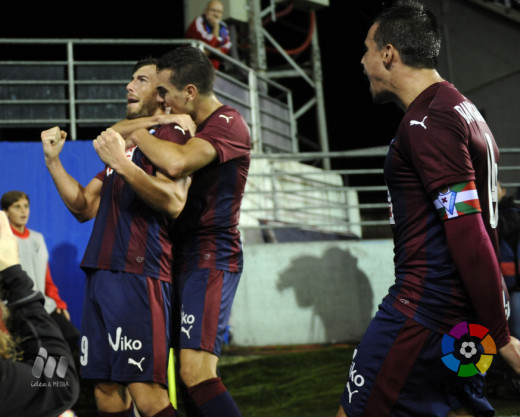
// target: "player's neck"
[[414, 82], [205, 107]]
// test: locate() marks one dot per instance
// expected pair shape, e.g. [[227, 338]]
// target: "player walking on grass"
[[441, 175]]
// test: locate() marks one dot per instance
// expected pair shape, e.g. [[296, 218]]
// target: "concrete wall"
[[479, 55], [312, 292]]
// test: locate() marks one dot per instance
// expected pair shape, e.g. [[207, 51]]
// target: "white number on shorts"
[[83, 359]]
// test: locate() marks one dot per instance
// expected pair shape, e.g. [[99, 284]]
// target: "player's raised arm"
[[126, 127], [174, 159], [159, 192], [82, 202]]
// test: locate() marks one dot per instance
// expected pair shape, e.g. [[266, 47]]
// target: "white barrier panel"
[[312, 292]]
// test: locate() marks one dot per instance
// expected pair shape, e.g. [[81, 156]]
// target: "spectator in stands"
[[209, 28], [34, 259], [37, 373]]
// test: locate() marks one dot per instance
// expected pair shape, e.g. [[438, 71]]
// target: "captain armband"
[[457, 200]]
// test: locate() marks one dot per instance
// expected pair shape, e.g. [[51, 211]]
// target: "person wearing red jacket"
[[209, 28]]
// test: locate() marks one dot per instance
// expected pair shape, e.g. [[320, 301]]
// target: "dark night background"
[[353, 121]]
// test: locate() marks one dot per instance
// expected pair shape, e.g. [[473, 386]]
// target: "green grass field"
[[288, 382], [296, 382]]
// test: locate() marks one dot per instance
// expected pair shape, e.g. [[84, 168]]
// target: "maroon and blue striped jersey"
[[442, 140], [128, 235], [206, 233]]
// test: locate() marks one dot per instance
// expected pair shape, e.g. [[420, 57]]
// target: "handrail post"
[[320, 99], [256, 135], [72, 91]]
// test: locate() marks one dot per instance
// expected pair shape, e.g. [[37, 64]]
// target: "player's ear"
[[389, 54], [191, 92]]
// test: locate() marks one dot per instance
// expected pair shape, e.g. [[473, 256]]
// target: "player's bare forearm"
[[127, 126], [159, 192], [77, 198], [174, 160], [163, 154], [80, 201]]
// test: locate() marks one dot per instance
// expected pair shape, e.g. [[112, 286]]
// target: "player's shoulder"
[[225, 111], [451, 106], [433, 106], [446, 97], [173, 133], [226, 116]]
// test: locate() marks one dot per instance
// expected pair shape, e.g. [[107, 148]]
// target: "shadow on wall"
[[69, 278], [337, 290]]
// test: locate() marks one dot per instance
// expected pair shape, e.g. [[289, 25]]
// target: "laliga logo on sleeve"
[[468, 349]]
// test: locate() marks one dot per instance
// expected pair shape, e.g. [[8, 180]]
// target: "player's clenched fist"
[[110, 147], [52, 141]]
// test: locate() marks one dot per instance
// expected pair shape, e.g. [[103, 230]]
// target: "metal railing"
[[349, 202], [35, 92], [285, 188]]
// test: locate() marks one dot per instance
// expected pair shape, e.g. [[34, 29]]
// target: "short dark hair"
[[144, 62], [189, 65], [11, 197], [413, 30]]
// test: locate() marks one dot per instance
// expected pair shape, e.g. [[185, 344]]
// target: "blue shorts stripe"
[[206, 298]]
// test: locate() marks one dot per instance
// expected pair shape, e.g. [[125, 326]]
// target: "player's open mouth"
[[132, 100]]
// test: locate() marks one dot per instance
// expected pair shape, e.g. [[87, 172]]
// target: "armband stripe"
[[458, 200]]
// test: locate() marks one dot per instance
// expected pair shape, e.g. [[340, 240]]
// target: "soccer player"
[[126, 315], [441, 176], [206, 238]]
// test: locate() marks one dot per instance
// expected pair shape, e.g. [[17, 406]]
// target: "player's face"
[[18, 214], [169, 96], [373, 66], [141, 97]]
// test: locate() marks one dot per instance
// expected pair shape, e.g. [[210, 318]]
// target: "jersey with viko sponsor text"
[[442, 140], [128, 235], [206, 233]]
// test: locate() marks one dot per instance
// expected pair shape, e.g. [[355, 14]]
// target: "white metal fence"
[[286, 189]]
